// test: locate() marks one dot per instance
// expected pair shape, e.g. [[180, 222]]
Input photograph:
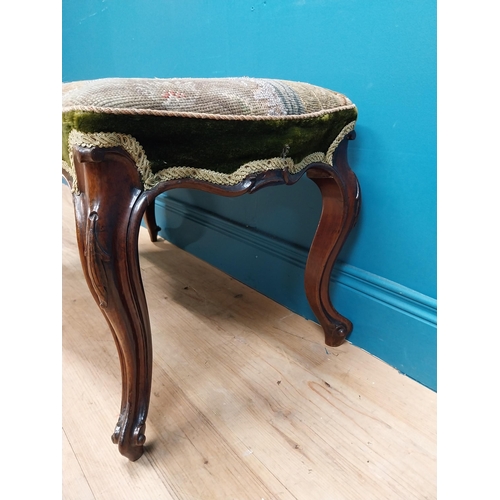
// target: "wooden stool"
[[125, 141]]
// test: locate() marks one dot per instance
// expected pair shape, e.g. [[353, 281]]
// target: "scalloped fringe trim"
[[150, 180]]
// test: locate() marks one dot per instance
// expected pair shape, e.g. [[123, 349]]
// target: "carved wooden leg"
[[150, 219], [341, 199], [108, 212]]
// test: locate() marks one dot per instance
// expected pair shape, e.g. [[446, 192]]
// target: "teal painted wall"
[[383, 56]]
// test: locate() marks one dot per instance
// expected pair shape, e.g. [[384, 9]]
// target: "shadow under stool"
[[127, 140]]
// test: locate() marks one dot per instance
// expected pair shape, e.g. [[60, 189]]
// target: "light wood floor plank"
[[75, 485], [247, 403]]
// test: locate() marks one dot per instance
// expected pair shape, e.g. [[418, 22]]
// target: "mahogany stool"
[[127, 140]]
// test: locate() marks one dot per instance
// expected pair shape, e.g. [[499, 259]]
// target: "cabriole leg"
[[108, 211], [150, 219], [341, 200]]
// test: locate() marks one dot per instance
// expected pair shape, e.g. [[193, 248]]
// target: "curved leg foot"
[[341, 200], [108, 213], [150, 219]]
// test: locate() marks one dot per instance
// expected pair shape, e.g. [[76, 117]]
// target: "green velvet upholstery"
[[181, 127]]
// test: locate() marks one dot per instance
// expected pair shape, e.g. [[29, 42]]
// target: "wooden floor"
[[247, 403]]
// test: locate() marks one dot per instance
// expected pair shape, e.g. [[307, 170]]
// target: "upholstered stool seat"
[[126, 140], [218, 130]]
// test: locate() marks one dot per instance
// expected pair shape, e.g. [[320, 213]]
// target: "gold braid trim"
[[70, 169], [343, 133], [150, 180]]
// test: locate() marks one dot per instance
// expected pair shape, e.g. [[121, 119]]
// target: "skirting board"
[[392, 322]]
